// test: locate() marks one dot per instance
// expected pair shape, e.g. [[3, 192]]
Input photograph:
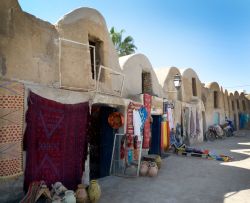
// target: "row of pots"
[[82, 195], [148, 168]]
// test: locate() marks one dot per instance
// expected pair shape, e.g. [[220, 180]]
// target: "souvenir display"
[[11, 128], [116, 120], [126, 155]]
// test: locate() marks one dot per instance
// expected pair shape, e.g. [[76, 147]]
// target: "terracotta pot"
[[153, 169], [144, 168], [94, 191], [81, 194]]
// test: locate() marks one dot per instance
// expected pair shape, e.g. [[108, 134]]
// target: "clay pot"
[[144, 168], [94, 191], [58, 188], [158, 161], [81, 194], [153, 169], [69, 197]]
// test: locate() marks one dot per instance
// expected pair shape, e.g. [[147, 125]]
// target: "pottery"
[[69, 197], [81, 194], [94, 191], [153, 169], [58, 188], [158, 161], [144, 168]]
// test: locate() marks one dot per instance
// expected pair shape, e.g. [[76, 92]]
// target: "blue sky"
[[210, 36]]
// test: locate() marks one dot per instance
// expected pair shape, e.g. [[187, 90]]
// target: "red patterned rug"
[[11, 128], [55, 141], [147, 131]]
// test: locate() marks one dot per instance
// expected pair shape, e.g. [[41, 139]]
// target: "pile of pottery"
[[148, 168], [38, 191], [82, 195]]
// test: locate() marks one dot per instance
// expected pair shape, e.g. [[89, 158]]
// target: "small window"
[[95, 49], [92, 58], [215, 99], [238, 104], [194, 87], [233, 105]]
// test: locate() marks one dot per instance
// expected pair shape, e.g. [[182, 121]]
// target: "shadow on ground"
[[189, 179], [181, 179]]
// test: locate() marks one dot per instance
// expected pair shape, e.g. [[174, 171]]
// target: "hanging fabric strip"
[[147, 130]]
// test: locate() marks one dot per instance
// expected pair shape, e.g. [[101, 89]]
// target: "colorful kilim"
[[147, 131], [56, 141], [11, 128], [131, 107]]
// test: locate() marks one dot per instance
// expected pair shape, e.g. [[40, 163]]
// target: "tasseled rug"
[[55, 141]]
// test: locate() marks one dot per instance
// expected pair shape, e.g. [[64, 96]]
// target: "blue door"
[[155, 147], [101, 138], [107, 135], [216, 118]]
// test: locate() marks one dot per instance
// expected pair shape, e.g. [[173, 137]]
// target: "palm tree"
[[123, 47]]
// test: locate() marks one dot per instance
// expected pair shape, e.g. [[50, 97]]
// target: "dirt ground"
[[181, 179], [190, 179]]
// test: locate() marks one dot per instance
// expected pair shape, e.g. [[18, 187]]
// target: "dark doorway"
[[101, 141], [155, 147], [96, 57]]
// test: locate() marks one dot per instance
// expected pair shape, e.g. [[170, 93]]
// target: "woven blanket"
[[147, 131], [131, 107], [11, 128], [55, 141]]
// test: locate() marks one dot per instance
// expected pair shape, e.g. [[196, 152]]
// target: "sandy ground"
[[190, 179], [181, 179]]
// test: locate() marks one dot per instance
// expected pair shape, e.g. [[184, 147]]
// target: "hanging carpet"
[[147, 131], [55, 141], [11, 128]]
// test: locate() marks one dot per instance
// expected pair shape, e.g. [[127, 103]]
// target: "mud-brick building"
[[72, 62], [188, 106], [193, 110], [214, 104]]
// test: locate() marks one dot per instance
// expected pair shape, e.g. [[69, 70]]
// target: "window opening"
[[194, 87]]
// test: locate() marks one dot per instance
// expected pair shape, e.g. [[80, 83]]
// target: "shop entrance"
[[155, 147], [101, 138]]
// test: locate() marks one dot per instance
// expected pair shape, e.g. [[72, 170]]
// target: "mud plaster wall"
[[226, 103], [82, 25], [209, 104], [169, 90], [133, 66], [29, 47], [187, 92]]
